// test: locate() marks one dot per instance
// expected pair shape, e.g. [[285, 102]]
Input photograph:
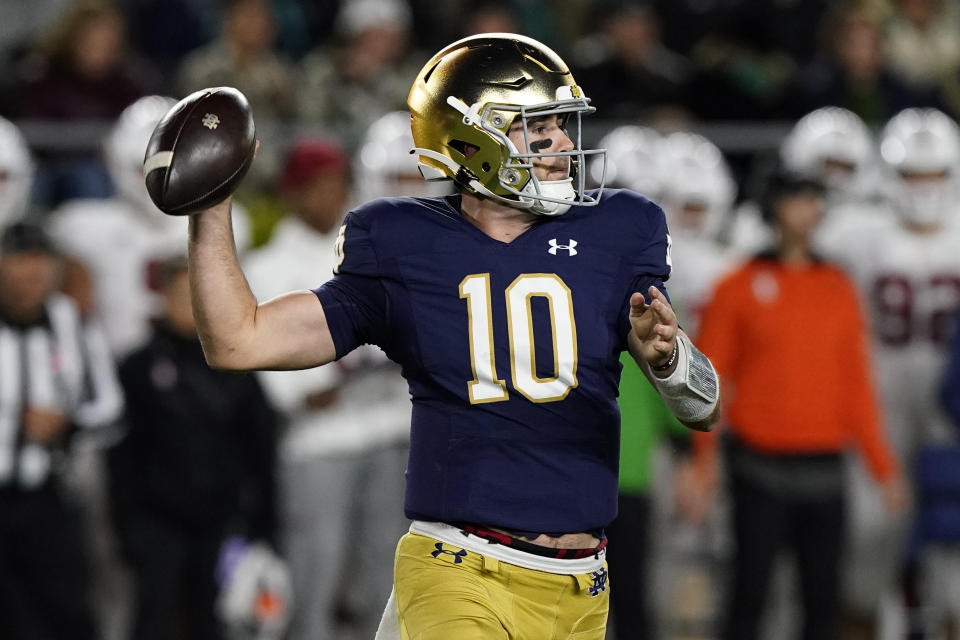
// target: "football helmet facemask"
[[921, 148], [463, 104]]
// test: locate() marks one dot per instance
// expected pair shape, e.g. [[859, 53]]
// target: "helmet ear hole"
[[464, 148], [485, 166]]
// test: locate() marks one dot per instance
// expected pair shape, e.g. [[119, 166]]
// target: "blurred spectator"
[[908, 271], [195, 468], [364, 73], [791, 413], [344, 452], [83, 71], [853, 73], [16, 173], [241, 57], [23, 22], [59, 382], [633, 74], [921, 41], [117, 239]]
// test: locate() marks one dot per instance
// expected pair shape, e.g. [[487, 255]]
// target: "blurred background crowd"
[[806, 154]]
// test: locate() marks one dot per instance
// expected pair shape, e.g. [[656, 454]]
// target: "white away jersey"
[[910, 285]]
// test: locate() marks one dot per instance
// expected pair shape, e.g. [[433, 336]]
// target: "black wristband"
[[669, 363]]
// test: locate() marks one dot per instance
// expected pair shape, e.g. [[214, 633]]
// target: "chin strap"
[[559, 189], [527, 199], [473, 183]]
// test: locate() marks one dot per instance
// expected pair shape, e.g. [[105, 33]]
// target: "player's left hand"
[[654, 325]]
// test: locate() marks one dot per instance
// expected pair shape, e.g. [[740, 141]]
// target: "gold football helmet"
[[463, 103]]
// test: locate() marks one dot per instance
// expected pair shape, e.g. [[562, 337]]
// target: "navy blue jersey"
[[511, 350]]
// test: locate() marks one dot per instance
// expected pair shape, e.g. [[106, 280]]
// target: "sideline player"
[[508, 306], [907, 268]]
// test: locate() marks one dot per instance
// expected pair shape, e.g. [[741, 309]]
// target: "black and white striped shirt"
[[60, 363]]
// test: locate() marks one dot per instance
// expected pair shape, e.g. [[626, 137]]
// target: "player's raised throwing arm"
[[287, 332]]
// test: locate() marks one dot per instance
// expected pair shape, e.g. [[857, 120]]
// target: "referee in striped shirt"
[[57, 379]]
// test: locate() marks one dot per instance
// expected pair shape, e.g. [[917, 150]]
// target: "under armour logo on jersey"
[[555, 246], [599, 582], [457, 555]]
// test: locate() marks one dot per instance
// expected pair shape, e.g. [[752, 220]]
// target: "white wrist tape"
[[692, 391]]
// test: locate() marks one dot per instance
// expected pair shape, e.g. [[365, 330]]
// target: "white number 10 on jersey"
[[486, 386]]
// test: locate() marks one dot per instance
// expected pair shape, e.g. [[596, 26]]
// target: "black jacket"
[[201, 444]]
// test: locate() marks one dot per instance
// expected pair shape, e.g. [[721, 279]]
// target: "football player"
[[698, 196], [908, 270], [833, 146], [508, 306]]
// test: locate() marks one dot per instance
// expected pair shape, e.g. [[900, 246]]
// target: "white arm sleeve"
[[692, 391]]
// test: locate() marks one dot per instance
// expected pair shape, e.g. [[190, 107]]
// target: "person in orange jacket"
[[789, 341]]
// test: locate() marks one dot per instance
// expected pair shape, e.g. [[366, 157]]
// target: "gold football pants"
[[447, 593]]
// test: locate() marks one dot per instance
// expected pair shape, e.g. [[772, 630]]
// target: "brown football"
[[200, 151]]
